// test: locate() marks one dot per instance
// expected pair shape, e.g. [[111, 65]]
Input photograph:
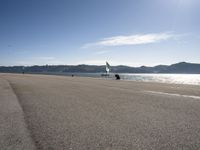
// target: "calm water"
[[193, 79]]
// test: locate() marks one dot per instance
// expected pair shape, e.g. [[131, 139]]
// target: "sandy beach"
[[77, 113]]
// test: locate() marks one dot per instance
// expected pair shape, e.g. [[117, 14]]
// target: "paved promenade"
[[74, 113]]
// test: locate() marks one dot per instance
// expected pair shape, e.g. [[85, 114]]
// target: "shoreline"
[[113, 78]]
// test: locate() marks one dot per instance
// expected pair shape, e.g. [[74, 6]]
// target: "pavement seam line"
[[24, 118]]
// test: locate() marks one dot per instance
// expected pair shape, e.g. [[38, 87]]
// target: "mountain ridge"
[[181, 67]]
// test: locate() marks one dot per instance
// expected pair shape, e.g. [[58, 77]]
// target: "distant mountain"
[[182, 67]]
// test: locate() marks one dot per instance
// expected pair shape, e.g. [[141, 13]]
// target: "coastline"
[[182, 79]]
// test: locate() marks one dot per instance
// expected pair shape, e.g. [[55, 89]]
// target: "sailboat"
[[108, 68]]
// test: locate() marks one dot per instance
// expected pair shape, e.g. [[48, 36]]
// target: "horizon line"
[[96, 65]]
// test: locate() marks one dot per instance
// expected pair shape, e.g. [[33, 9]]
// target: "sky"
[[122, 32]]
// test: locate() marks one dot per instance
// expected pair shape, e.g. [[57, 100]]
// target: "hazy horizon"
[[71, 32], [95, 65]]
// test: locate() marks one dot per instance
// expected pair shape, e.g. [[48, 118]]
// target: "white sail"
[[107, 67]]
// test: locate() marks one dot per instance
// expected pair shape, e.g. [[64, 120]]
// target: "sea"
[[191, 79]]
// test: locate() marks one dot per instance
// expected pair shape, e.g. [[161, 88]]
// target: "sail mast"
[[107, 68]]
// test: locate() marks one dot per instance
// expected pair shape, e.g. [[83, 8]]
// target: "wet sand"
[[80, 113]]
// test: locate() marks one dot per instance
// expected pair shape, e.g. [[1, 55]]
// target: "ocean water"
[[192, 79]]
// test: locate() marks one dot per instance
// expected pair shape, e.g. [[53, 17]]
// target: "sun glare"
[[185, 3], [182, 2]]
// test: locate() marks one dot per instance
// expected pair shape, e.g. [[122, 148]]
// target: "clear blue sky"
[[128, 32]]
